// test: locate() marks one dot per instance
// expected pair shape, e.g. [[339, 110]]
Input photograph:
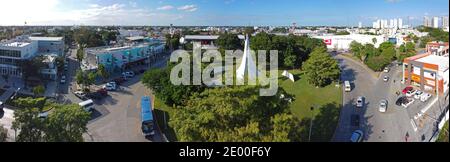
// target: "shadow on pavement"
[[164, 126]]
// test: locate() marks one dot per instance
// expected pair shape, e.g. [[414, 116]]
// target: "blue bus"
[[147, 117]]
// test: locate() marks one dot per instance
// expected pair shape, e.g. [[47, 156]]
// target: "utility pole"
[[311, 123]]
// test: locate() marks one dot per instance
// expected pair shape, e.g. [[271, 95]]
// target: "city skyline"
[[216, 12]]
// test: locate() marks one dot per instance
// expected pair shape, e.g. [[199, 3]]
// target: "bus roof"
[[146, 109]]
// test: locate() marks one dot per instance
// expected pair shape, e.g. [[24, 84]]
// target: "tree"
[[374, 41], [80, 55], [30, 125], [377, 63], [229, 42], [32, 67], [3, 133], [357, 49], [102, 72], [342, 33], [66, 124], [289, 58], [90, 79], [234, 114], [321, 69], [38, 90]]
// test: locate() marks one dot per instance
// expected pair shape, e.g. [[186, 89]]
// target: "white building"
[[12, 53], [445, 23], [50, 44], [435, 22], [360, 25], [400, 23], [342, 42], [427, 21]]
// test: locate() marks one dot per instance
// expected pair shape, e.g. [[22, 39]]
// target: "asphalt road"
[[390, 126]]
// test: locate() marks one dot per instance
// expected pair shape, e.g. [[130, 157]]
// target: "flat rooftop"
[[206, 37], [135, 38], [15, 44], [46, 38], [441, 61]]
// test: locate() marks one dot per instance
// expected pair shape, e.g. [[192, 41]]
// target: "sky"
[[217, 12]]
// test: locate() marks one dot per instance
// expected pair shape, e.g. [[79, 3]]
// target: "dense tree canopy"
[[292, 50], [229, 42], [66, 123], [321, 69], [235, 114]]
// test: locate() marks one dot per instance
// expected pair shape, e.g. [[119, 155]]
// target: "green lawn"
[[162, 109], [327, 101], [443, 135], [307, 96]]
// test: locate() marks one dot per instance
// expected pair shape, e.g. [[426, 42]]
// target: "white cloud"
[[189, 8], [167, 7]]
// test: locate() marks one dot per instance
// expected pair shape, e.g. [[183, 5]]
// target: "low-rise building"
[[11, 53], [50, 44], [342, 42], [119, 58], [50, 71], [428, 72], [437, 48]]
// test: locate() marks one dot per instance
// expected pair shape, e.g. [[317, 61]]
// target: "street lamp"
[[311, 123]]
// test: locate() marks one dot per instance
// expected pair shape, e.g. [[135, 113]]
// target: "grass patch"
[[162, 109], [443, 135], [327, 103]]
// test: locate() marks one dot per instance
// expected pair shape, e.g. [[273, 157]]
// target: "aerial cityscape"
[[224, 71]]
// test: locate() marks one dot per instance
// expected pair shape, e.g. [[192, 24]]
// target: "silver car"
[[360, 102], [383, 106]]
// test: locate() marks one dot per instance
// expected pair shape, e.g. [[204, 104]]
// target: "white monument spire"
[[247, 64]]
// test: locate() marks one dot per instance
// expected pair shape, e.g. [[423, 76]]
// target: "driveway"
[[390, 126]]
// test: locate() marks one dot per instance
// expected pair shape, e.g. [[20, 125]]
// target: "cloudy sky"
[[215, 12]]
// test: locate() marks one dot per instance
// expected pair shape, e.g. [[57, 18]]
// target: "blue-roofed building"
[[116, 59]]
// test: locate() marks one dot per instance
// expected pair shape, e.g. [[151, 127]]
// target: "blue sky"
[[216, 12]]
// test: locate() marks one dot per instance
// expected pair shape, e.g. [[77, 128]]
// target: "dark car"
[[95, 95], [103, 92], [401, 100], [354, 119], [120, 80], [142, 71]]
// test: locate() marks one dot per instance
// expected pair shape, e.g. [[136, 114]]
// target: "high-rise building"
[[426, 21], [435, 22], [445, 22], [360, 25], [400, 23]]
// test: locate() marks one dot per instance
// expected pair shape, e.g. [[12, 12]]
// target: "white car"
[[408, 102], [63, 79], [357, 136], [418, 95], [383, 106], [111, 86], [128, 74], [386, 78], [411, 93], [425, 97], [386, 70]]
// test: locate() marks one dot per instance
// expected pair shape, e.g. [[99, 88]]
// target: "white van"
[[87, 105], [347, 86]]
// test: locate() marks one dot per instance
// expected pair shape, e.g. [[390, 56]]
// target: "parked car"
[[425, 97], [354, 120], [102, 91], [418, 94], [63, 79], [357, 136], [411, 93], [386, 78], [110, 86], [407, 89], [383, 106], [360, 102], [120, 80], [95, 95], [386, 70], [80, 94], [404, 101], [142, 71], [128, 74], [1, 106]]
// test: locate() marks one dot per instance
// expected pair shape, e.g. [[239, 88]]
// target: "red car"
[[103, 92], [407, 89]]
